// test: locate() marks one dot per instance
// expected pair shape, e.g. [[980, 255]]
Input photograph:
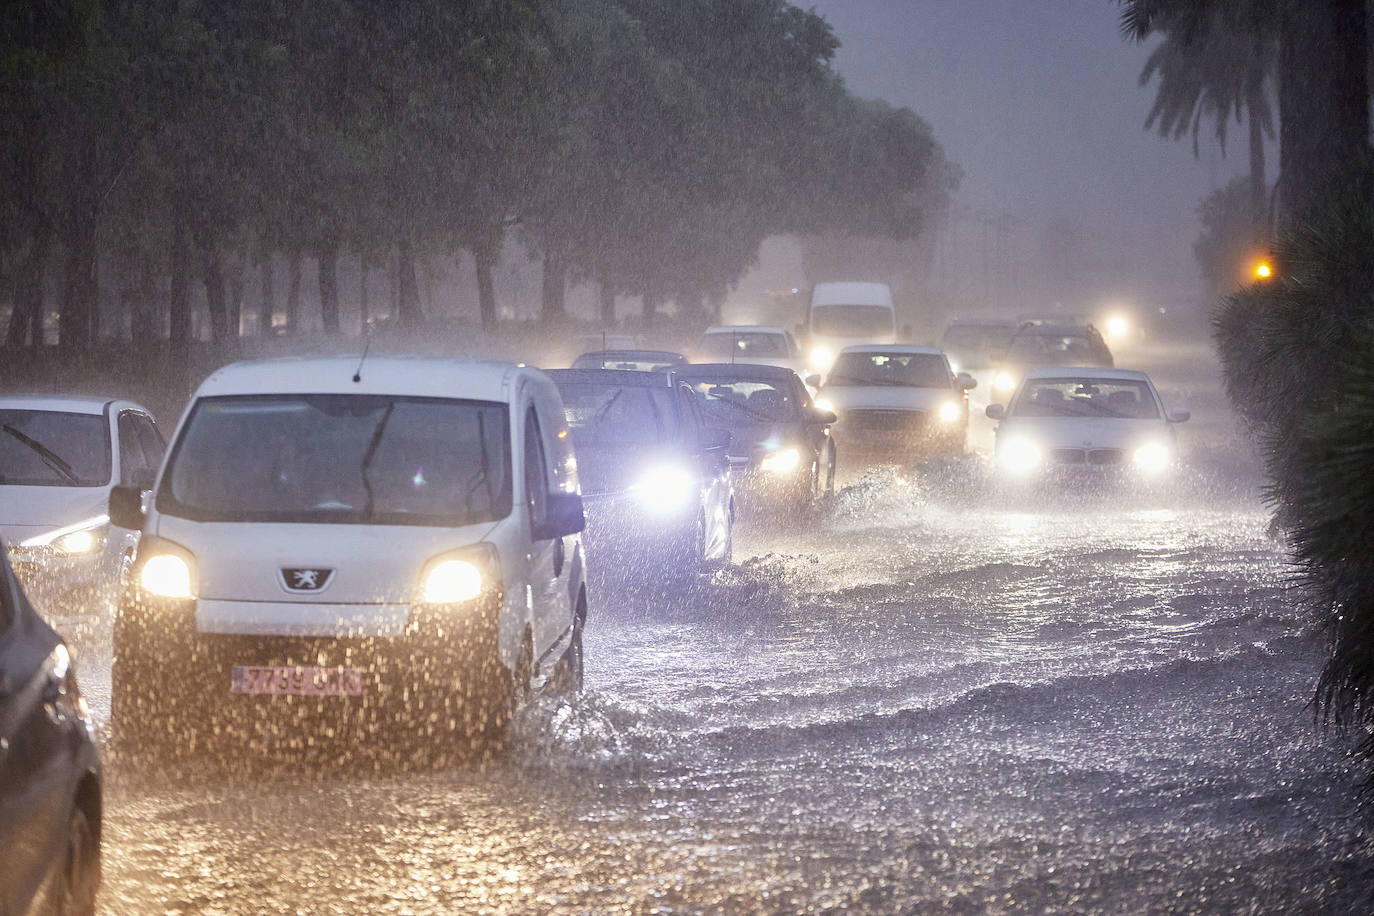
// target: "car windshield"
[[53, 448], [1048, 349], [615, 415], [741, 402], [727, 345], [1126, 399], [373, 459], [904, 370], [852, 320]]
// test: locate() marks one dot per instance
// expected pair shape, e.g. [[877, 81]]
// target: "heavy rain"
[[712, 456]]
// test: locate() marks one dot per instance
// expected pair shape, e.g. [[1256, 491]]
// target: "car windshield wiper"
[[595, 422], [50, 458], [745, 409], [372, 444]]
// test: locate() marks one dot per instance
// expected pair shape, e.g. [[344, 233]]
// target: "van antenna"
[[367, 344]]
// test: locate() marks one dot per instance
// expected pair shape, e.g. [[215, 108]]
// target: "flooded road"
[[932, 698]]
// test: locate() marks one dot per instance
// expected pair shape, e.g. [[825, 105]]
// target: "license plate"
[[296, 680]]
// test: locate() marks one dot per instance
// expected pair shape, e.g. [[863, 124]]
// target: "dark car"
[[654, 471], [1037, 346], [50, 776], [632, 360], [971, 342], [780, 442]]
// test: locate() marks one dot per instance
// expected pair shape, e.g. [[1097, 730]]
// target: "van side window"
[[536, 478]]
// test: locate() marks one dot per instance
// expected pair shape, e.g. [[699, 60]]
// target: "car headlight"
[[166, 575], [821, 358], [1018, 455], [451, 581], [1004, 382], [949, 412], [783, 461], [664, 489], [1153, 458], [86, 536]]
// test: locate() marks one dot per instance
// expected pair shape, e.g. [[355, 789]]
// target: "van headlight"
[[167, 576], [821, 358], [451, 581], [783, 461], [84, 537], [949, 412], [1153, 458], [1004, 382], [666, 488], [1018, 455]]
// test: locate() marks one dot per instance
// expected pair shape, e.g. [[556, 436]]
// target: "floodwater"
[[932, 698]]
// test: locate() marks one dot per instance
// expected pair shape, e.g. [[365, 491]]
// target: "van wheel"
[[74, 893], [566, 678]]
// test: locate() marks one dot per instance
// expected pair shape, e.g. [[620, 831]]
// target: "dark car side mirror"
[[562, 516], [813, 380], [714, 437], [126, 508], [822, 417], [996, 412]]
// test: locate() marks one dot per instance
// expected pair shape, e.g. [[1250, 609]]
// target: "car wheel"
[[566, 678], [830, 475], [79, 878]]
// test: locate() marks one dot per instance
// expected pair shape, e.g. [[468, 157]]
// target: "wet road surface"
[[931, 698]]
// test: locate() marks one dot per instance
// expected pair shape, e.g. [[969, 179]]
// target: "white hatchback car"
[[351, 550], [1093, 423], [59, 459]]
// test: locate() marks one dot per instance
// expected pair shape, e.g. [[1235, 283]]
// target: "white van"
[[354, 546], [847, 314]]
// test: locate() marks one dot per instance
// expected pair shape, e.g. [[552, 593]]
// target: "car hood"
[[1087, 432], [889, 397], [613, 469], [26, 511]]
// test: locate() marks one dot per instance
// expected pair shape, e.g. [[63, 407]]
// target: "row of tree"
[[1297, 349], [645, 145]]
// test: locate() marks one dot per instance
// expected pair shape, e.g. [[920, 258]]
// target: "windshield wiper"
[[50, 458], [745, 409], [372, 444]]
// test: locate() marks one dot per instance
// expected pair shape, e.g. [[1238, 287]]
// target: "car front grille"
[[1098, 457], [909, 421]]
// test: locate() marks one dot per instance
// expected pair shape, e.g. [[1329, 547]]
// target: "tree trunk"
[[485, 260], [212, 275], [293, 291], [554, 306], [651, 301], [267, 305], [1259, 184], [143, 329], [236, 285], [607, 303], [26, 321], [179, 326], [409, 313], [79, 279], [1323, 105], [364, 301], [329, 286]]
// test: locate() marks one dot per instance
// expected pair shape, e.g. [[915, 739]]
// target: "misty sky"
[[1039, 104]]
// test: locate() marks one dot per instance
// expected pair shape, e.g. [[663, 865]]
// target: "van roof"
[[745, 329], [893, 348], [418, 376], [851, 293]]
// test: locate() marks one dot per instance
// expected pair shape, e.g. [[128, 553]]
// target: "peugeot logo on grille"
[[305, 580]]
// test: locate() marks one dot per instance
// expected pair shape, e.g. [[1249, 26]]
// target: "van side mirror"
[[562, 516], [996, 411], [1179, 415], [715, 437], [126, 508]]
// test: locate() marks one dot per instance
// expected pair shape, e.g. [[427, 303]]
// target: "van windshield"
[[362, 459], [852, 320]]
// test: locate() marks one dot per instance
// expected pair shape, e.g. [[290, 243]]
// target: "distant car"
[[1070, 421], [780, 443], [633, 360], [897, 402], [654, 470], [50, 772], [1040, 345], [59, 459], [752, 344], [972, 343], [335, 549]]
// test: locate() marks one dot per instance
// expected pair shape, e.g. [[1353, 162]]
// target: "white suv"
[[352, 549]]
